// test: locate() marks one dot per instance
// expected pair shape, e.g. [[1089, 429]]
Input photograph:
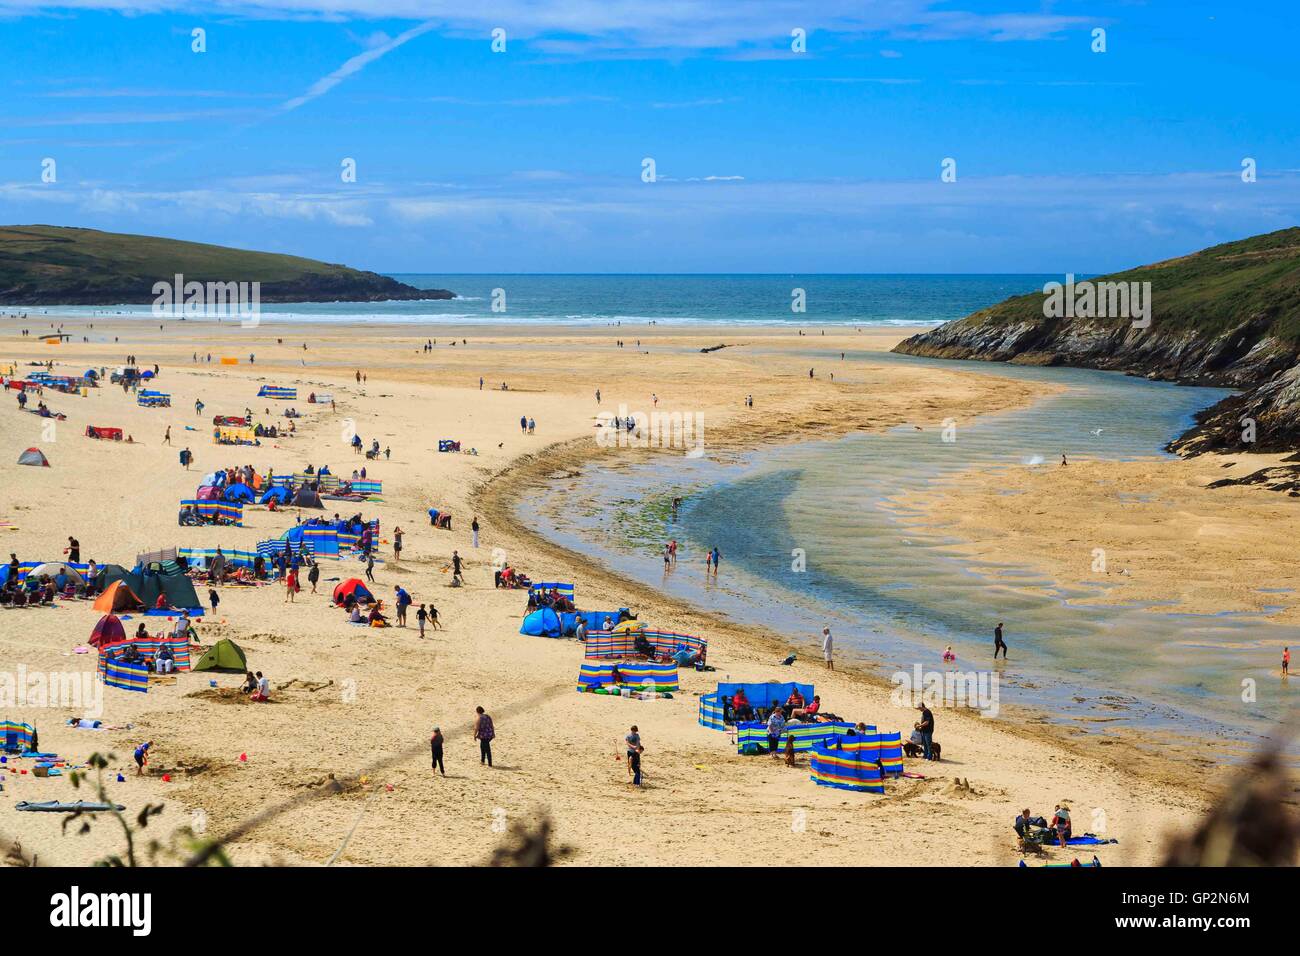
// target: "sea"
[[601, 300]]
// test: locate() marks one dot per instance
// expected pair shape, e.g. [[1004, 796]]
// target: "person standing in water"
[[717, 560], [1286, 661], [998, 643]]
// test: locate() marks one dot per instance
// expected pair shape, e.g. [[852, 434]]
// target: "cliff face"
[[54, 265], [1227, 316]]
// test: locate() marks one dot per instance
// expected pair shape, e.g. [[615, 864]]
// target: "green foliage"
[[1209, 291]]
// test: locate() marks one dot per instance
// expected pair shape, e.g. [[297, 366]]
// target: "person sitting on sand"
[[641, 645], [161, 603], [263, 692], [250, 683], [376, 619], [141, 632], [1026, 825]]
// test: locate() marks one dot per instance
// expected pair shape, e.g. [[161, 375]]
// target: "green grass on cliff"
[[1209, 291]]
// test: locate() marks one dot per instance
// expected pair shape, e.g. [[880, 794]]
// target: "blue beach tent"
[[542, 623]]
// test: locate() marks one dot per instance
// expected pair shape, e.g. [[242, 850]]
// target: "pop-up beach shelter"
[[225, 655], [352, 587], [51, 569], [109, 630], [34, 456], [118, 596], [238, 492], [277, 492], [542, 623], [167, 578], [307, 497]]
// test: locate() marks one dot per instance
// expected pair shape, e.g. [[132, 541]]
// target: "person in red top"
[[809, 712], [794, 702], [740, 707]]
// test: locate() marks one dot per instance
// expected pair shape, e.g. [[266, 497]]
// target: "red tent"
[[352, 587], [108, 631]]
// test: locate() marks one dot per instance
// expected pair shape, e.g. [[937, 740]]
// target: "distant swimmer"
[[998, 643]]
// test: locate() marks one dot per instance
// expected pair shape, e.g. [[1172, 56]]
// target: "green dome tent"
[[225, 655]]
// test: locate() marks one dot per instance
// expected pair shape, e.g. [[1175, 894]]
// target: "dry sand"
[[558, 752]]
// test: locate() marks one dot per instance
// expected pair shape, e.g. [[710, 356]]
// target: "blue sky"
[[768, 160]]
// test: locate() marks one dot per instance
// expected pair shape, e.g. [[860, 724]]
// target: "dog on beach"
[[916, 750]]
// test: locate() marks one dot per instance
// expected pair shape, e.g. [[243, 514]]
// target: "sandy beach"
[[357, 704]]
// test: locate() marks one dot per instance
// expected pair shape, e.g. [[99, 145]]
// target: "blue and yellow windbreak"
[[805, 736], [711, 712], [126, 676], [284, 392], [637, 674]]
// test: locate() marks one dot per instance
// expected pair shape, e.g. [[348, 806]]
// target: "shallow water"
[[894, 597]]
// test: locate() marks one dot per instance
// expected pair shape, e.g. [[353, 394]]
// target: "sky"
[[766, 158]]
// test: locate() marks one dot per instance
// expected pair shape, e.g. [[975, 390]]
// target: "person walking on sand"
[[435, 747], [998, 643], [523, 424], [167, 436], [370, 568], [421, 617], [456, 575], [473, 527], [291, 586], [397, 544], [828, 647], [313, 576], [634, 752], [433, 617], [484, 733]]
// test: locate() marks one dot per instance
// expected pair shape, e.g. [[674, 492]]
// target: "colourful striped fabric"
[[283, 392], [563, 590], [21, 734], [891, 753], [269, 549], [148, 648], [229, 511], [126, 676], [711, 712], [806, 736], [199, 557], [323, 542], [26, 566], [631, 674], [847, 768], [602, 645]]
